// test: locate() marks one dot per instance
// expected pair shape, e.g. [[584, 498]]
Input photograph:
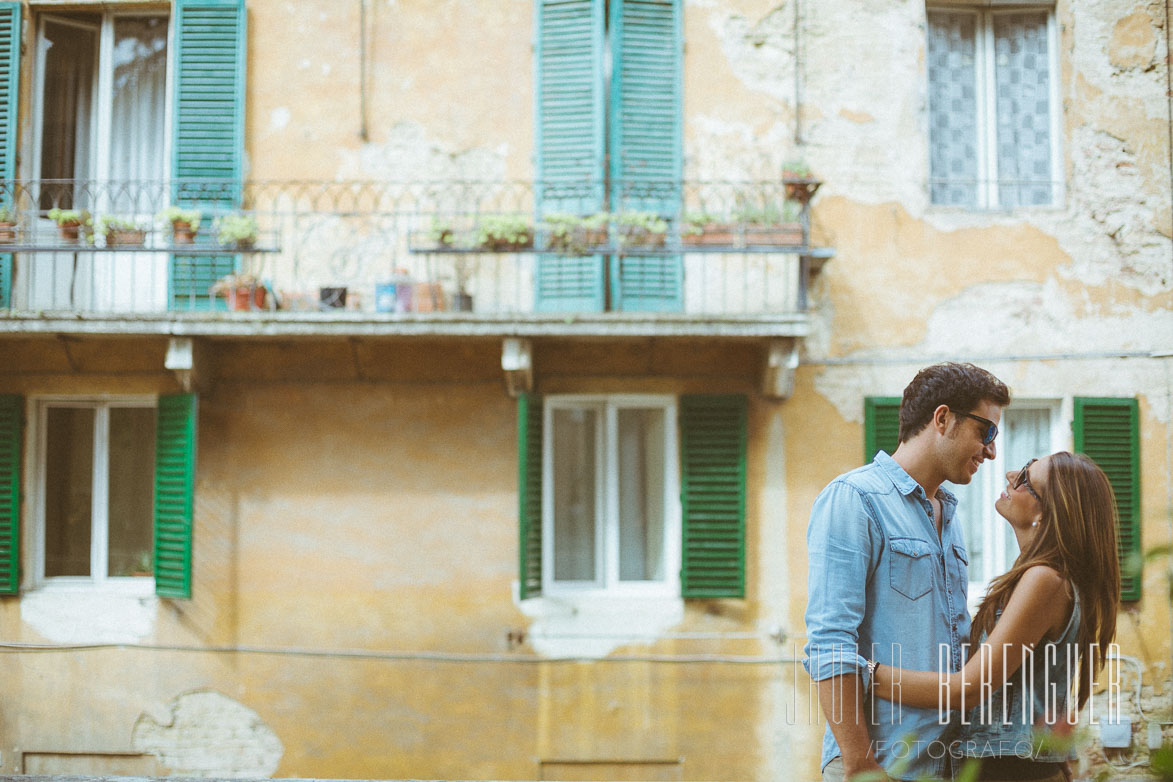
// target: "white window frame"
[[991, 481], [986, 109], [98, 580], [607, 498]]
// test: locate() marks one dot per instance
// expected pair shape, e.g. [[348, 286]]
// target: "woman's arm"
[[1039, 603]]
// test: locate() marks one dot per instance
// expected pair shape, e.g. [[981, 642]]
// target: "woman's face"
[[1021, 503]]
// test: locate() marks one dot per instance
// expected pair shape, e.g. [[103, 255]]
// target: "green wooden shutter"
[[175, 461], [208, 130], [529, 490], [645, 143], [9, 95], [712, 455], [1108, 431], [11, 425], [881, 425], [569, 141]]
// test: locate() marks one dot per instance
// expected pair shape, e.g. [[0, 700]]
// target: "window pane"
[[1022, 83], [69, 478], [953, 157], [574, 494], [67, 112], [138, 103], [641, 495], [132, 471]]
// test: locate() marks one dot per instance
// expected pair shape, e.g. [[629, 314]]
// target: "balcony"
[[723, 259]]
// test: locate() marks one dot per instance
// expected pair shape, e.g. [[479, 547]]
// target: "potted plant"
[[703, 228], [7, 225], [236, 230], [641, 229], [184, 223], [242, 291], [796, 178], [441, 233], [504, 233], [70, 222], [575, 235], [120, 231], [770, 225]]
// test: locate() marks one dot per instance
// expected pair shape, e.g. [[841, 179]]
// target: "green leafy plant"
[[575, 234], [504, 232], [767, 213], [65, 217], [695, 222], [641, 228], [441, 233], [177, 214], [233, 282], [7, 214], [113, 223], [238, 229], [795, 169]]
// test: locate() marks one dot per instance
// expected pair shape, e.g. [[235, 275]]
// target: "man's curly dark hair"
[[959, 386]]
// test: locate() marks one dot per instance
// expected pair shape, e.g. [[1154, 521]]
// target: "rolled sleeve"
[[839, 550]]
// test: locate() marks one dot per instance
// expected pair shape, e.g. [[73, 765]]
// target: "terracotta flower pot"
[[182, 232], [7, 232], [125, 238], [712, 234], [246, 298], [69, 231]]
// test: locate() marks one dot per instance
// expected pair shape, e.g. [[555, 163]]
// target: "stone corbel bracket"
[[181, 359], [781, 364], [517, 363]]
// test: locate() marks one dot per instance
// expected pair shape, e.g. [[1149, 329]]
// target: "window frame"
[[992, 478], [99, 580], [986, 108], [607, 581], [100, 133]]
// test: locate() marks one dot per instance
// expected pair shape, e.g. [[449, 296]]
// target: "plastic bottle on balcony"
[[404, 288]]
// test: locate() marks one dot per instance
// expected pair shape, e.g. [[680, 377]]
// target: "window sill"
[[592, 624], [82, 612]]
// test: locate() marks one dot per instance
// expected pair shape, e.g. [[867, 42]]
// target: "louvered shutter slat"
[[9, 95], [11, 430], [881, 426], [1107, 430], [529, 452], [569, 144], [208, 130], [713, 442], [645, 143], [175, 460]]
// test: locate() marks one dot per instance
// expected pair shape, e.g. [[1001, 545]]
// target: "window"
[[103, 106], [993, 111], [95, 489], [1026, 432], [610, 503], [610, 513]]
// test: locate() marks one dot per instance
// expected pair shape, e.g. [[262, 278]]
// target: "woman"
[[1035, 625]]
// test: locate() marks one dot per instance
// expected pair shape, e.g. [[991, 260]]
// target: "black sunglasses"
[[991, 427], [1023, 479]]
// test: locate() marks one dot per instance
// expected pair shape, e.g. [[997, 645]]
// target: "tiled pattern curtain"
[[953, 162], [1023, 98]]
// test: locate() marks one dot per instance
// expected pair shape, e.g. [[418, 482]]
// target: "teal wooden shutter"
[[1108, 431], [175, 461], [11, 426], [645, 143], [881, 425], [529, 491], [9, 95], [712, 455], [208, 127], [569, 141]]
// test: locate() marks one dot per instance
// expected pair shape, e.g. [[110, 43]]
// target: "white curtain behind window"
[[138, 106]]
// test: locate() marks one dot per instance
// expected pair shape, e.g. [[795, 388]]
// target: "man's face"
[[963, 450]]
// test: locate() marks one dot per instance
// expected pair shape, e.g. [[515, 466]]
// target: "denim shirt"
[[882, 586]]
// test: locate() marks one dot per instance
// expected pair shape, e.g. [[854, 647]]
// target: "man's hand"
[[841, 699]]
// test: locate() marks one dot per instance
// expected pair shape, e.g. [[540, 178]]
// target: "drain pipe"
[[362, 71], [798, 75]]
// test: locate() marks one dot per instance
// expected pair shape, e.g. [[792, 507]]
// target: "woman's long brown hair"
[[1076, 537]]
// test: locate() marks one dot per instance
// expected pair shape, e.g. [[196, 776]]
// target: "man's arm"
[[839, 548], [841, 699]]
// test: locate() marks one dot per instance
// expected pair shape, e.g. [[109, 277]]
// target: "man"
[[888, 577]]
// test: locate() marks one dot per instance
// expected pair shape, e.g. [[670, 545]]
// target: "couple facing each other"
[[905, 681]]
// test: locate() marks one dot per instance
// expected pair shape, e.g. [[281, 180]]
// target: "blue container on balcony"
[[394, 296]]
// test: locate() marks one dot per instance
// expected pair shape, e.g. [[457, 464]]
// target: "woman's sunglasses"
[[1023, 479]]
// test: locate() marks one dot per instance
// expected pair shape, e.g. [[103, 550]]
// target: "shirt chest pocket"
[[910, 566]]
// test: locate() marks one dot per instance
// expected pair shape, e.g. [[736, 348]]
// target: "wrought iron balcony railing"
[[389, 249]]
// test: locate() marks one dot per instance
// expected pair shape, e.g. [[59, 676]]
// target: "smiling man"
[[888, 574]]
